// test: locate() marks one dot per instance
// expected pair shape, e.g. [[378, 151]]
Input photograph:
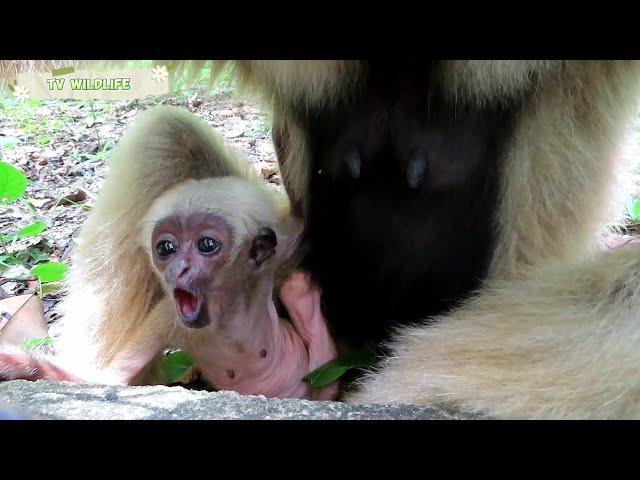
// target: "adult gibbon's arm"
[[563, 342]]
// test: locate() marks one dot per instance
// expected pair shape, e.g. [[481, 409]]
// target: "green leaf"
[[326, 374], [31, 230], [42, 141], [13, 183], [633, 208], [336, 368], [50, 271], [175, 365], [51, 288], [38, 256], [33, 343], [28, 231], [8, 260]]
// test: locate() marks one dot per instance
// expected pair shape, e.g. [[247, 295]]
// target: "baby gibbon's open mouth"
[[188, 306]]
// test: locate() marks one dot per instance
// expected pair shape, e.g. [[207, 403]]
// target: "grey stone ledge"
[[21, 399]]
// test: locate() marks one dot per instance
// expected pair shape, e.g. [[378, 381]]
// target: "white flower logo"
[[21, 93], [159, 73]]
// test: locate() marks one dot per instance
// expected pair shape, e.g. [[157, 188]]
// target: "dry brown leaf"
[[76, 197], [21, 318]]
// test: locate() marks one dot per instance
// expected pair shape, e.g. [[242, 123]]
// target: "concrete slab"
[[62, 400]]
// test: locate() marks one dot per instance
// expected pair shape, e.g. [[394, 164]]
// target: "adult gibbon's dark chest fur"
[[402, 194]]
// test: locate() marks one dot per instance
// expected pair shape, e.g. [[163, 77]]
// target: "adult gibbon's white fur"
[[554, 330]]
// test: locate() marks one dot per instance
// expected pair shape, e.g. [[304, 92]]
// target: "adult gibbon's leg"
[[553, 333], [563, 342]]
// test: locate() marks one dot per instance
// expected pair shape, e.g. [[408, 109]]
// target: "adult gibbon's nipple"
[[417, 168]]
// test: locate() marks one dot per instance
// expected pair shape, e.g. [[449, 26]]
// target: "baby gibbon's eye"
[[208, 245], [165, 248]]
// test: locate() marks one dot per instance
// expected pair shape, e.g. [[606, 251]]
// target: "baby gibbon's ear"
[[263, 246]]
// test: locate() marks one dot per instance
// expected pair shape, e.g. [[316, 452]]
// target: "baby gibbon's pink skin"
[[242, 344], [302, 300], [267, 355]]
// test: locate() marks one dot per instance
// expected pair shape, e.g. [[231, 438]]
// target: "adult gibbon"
[[451, 210], [457, 205]]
